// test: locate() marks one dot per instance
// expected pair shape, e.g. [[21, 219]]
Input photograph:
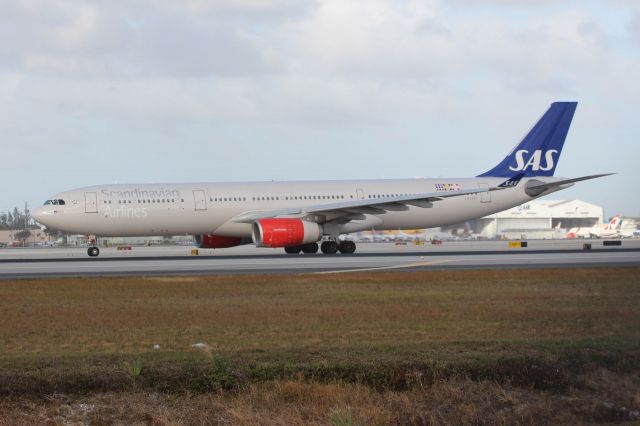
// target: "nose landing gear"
[[93, 250]]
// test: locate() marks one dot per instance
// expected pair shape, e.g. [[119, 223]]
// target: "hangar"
[[539, 219]]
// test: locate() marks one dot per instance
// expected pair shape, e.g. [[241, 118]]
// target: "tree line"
[[16, 219]]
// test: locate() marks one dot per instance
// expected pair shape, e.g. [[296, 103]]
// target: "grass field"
[[415, 348]]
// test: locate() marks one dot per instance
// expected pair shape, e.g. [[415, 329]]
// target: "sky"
[[241, 90]]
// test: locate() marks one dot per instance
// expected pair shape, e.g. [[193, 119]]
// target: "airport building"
[[539, 219]]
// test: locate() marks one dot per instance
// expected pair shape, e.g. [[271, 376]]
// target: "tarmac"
[[369, 257]]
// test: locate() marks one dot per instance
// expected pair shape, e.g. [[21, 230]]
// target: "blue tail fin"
[[539, 151]]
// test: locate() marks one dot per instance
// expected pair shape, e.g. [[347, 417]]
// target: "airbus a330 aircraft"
[[298, 215]]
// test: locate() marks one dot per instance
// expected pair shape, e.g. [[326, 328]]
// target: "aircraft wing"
[[367, 206]]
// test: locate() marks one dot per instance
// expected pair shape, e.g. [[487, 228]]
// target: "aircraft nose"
[[39, 215]]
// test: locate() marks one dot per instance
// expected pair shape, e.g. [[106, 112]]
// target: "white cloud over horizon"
[[93, 92]]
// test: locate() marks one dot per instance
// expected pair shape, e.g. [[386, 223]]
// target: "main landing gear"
[[327, 247], [305, 248], [347, 247]]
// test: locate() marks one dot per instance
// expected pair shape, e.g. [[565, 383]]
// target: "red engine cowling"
[[219, 241], [285, 232]]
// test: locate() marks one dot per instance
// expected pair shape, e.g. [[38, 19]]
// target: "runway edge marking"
[[382, 268]]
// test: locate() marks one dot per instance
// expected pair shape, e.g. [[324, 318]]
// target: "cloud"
[[252, 60], [130, 73], [634, 27]]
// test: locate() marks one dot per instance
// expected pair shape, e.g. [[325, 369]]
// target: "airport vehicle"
[[297, 215], [608, 230]]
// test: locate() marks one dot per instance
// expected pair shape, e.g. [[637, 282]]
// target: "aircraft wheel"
[[347, 247], [292, 249], [93, 251], [329, 247], [310, 248]]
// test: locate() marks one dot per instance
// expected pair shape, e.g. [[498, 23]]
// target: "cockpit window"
[[61, 202], [55, 202]]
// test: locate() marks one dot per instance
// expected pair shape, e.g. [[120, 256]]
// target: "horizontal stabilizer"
[[536, 187]]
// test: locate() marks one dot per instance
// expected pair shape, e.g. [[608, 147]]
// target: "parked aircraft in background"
[[298, 215], [609, 230], [628, 229]]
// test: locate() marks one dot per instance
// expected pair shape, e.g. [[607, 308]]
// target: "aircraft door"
[[360, 194], [200, 199], [485, 197], [90, 202]]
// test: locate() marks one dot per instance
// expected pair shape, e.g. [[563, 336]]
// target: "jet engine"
[[282, 232], [219, 241]]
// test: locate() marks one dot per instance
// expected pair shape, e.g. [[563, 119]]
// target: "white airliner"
[[298, 215], [608, 230]]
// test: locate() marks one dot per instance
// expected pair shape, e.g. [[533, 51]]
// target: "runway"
[[58, 262]]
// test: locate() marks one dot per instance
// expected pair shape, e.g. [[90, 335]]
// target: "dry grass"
[[522, 346], [455, 401]]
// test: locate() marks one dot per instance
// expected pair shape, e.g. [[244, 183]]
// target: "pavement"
[[451, 255]]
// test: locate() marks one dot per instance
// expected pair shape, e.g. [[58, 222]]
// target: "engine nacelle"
[[219, 241], [284, 232]]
